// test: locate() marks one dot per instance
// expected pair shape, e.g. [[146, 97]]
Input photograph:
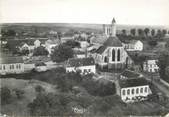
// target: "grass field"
[[19, 107], [114, 107]]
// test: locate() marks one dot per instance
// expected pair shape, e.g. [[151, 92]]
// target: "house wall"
[[90, 69], [11, 68], [132, 95], [84, 44], [80, 55], [150, 66], [138, 46]]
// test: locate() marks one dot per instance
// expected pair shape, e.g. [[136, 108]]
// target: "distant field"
[[64, 27]]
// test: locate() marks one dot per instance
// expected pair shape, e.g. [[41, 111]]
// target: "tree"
[[124, 32], [164, 32], [163, 63], [61, 53], [167, 45], [159, 33], [133, 31], [8, 32], [146, 31], [167, 73], [140, 32], [24, 51], [40, 51], [5, 95], [19, 93], [152, 43], [59, 35], [72, 43], [49, 105], [39, 89], [153, 32]]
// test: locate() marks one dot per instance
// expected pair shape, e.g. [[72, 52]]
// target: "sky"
[[129, 12]]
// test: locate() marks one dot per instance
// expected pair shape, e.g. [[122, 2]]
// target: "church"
[[111, 54]]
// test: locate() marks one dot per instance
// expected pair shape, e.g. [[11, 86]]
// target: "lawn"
[[19, 107], [97, 97]]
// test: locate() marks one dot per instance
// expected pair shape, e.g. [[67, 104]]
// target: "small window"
[[0, 67], [137, 90], [141, 90], [12, 66], [85, 70], [132, 91], [89, 70], [145, 90], [4, 67], [128, 92], [19, 66], [124, 93]]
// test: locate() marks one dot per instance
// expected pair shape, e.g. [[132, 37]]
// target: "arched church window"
[[118, 55], [113, 55]]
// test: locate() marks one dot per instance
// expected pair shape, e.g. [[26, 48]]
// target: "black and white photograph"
[[84, 58]]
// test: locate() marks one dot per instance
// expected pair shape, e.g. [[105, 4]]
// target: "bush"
[[50, 105], [98, 89], [5, 95], [39, 89], [40, 51], [152, 43], [19, 93], [61, 53]]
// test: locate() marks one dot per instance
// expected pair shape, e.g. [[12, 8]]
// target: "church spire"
[[113, 27], [113, 21]]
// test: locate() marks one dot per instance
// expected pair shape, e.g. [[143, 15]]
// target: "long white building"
[[10, 65]]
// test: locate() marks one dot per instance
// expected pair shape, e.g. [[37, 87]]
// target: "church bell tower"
[[113, 27]]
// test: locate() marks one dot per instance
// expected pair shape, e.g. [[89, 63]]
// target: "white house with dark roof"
[[134, 45], [85, 65], [11, 65], [151, 66], [111, 54], [133, 90]]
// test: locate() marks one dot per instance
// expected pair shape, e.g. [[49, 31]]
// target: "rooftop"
[[113, 41], [10, 60], [133, 82], [130, 74], [101, 49], [77, 62]]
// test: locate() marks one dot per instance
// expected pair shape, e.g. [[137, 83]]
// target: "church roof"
[[11, 60], [77, 62], [101, 49], [113, 41], [133, 82]]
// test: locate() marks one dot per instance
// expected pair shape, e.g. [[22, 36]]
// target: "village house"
[[128, 74], [10, 65], [50, 44], [134, 45], [150, 65], [133, 90], [80, 54], [111, 54], [84, 65]]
